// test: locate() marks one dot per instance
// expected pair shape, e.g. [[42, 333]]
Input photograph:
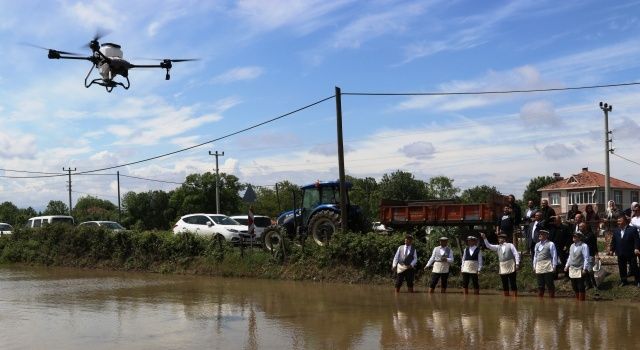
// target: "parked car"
[[5, 229], [40, 221], [111, 225], [260, 221], [217, 225]]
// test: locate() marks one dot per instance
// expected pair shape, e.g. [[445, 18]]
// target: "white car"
[[5, 229], [111, 225], [213, 224], [260, 221]]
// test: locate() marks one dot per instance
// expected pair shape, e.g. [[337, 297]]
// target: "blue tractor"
[[318, 217]]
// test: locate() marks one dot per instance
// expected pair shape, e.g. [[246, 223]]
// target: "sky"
[[261, 59]]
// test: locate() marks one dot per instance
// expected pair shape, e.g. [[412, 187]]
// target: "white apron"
[[402, 268], [470, 266], [440, 267], [507, 267], [544, 266], [575, 272]]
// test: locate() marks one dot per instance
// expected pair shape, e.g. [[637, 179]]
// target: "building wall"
[[599, 207]]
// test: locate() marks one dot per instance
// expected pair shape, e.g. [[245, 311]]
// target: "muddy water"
[[71, 309]]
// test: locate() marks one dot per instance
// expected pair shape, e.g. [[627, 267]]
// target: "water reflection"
[[71, 309]]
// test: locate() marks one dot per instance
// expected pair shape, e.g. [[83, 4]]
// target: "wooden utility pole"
[[344, 211], [69, 171], [216, 154]]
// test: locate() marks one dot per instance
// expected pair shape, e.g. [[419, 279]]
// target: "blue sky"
[[260, 59]]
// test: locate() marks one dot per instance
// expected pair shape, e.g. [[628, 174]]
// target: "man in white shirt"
[[509, 261], [471, 265], [635, 215], [441, 259], [578, 265], [545, 261], [404, 263]]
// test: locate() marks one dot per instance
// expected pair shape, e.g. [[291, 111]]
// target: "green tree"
[[24, 215], [365, 193], [90, 208], [441, 187], [198, 194], [480, 194], [148, 210], [401, 185], [531, 192], [56, 208], [9, 213], [271, 202]]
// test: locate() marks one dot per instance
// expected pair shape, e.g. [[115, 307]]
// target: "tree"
[[441, 187], [56, 208], [90, 208], [198, 194], [480, 194], [531, 192], [148, 210], [401, 185], [365, 193], [9, 213]]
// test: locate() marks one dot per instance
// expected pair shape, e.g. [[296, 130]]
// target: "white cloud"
[[538, 113], [558, 150], [418, 150], [17, 145], [96, 14], [329, 149], [238, 74], [370, 26]]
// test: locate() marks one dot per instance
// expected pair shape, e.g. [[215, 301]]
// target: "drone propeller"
[[94, 44], [168, 59], [53, 51]]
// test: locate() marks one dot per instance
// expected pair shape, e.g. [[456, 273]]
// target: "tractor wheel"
[[273, 237], [323, 226]]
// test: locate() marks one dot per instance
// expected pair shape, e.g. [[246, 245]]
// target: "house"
[[587, 187]]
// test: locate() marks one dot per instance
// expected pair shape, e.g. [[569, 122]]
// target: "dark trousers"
[[444, 277], [509, 280], [470, 276], [546, 279], [407, 275], [578, 284], [633, 267]]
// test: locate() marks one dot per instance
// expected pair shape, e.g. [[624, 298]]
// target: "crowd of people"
[[556, 245]]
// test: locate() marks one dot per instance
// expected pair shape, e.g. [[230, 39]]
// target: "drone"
[[108, 60]]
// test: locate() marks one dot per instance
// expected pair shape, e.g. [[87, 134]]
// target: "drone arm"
[[56, 57], [164, 65]]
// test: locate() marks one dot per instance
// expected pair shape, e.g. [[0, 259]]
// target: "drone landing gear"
[[109, 85]]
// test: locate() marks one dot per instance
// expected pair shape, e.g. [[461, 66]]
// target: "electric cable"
[[445, 93], [627, 159]]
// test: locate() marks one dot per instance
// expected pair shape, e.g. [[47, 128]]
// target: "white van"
[[40, 221]]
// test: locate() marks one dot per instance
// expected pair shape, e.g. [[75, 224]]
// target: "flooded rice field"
[[55, 308]]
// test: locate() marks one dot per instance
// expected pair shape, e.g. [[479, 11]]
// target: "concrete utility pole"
[[216, 154], [69, 171], [344, 211], [607, 142], [119, 210]]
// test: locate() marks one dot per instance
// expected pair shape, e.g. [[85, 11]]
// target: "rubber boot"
[[506, 293], [476, 291], [466, 291], [540, 293], [397, 290], [431, 290], [583, 296]]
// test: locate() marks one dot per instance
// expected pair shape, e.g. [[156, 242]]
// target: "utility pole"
[[119, 210], [606, 108], [69, 171], [216, 154], [344, 211]]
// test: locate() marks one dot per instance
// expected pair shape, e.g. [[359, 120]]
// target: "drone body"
[[109, 61]]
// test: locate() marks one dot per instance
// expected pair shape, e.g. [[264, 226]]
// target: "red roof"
[[587, 180]]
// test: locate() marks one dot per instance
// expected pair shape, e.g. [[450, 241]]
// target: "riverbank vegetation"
[[348, 258]]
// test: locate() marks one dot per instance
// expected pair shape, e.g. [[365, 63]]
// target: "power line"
[[445, 93], [154, 180], [627, 159], [214, 140], [29, 172]]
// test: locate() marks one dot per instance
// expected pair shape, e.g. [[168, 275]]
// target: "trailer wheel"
[[323, 226], [273, 237]]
